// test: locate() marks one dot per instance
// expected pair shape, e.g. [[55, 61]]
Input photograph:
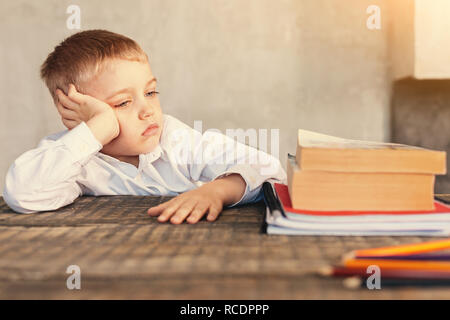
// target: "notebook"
[[292, 221]]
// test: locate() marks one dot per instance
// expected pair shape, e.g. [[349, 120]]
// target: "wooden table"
[[125, 254]]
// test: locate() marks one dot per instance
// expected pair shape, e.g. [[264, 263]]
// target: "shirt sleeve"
[[45, 178], [216, 155]]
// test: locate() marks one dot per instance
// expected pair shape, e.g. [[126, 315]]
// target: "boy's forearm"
[[230, 188]]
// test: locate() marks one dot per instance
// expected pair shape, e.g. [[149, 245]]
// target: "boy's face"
[[129, 88]]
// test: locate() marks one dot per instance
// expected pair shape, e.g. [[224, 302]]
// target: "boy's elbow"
[[24, 200], [14, 201]]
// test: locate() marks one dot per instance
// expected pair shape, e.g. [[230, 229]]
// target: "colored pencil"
[[358, 282], [427, 257], [399, 264], [339, 271], [406, 249]]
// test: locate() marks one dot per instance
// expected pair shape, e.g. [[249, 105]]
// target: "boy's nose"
[[145, 113]]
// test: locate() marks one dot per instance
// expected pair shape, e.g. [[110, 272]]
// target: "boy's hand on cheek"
[[76, 107], [193, 205]]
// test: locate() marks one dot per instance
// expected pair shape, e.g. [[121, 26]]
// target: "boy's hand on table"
[[193, 205], [76, 107]]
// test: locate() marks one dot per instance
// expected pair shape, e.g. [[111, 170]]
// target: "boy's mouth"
[[151, 130]]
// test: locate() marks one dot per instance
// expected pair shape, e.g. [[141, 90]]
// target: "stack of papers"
[[290, 221]]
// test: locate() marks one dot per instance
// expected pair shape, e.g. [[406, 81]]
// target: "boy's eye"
[[123, 104], [152, 93]]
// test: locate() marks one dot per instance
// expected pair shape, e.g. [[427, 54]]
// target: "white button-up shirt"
[[69, 164]]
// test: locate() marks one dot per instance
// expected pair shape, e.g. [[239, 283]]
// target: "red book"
[[283, 196]]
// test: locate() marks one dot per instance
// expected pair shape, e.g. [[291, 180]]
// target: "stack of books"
[[349, 187], [330, 173], [417, 264]]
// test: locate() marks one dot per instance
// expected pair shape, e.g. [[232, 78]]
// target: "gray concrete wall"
[[260, 64], [420, 117]]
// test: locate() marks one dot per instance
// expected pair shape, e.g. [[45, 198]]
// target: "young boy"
[[119, 142]]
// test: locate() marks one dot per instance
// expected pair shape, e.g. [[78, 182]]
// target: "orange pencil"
[[398, 264], [406, 249]]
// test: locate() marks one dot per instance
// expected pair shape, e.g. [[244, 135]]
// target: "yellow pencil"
[[398, 264], [406, 249]]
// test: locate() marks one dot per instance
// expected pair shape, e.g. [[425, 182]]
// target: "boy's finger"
[[59, 107], [198, 213], [213, 213], [70, 124], [156, 210], [168, 212], [65, 101], [75, 95], [66, 113], [183, 211], [153, 211]]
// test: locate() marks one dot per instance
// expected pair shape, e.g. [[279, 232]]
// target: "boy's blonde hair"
[[79, 58]]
